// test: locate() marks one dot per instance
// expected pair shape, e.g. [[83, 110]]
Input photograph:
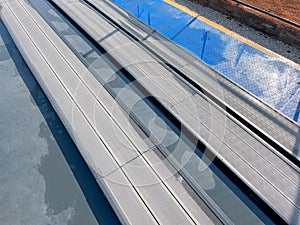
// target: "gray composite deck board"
[[86, 101], [58, 92], [88, 142], [154, 192], [128, 54], [266, 173], [257, 163], [279, 128], [212, 119], [72, 90], [179, 187], [119, 191]]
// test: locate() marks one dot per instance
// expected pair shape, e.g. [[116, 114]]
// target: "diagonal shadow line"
[[297, 113], [182, 29]]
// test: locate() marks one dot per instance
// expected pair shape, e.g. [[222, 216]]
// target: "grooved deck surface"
[[240, 149], [280, 129], [128, 166], [113, 150]]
